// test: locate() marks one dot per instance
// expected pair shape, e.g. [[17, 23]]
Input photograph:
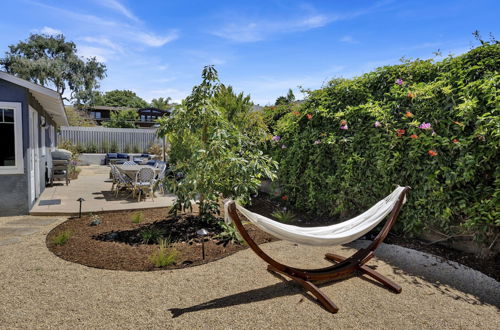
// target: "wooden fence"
[[104, 139]]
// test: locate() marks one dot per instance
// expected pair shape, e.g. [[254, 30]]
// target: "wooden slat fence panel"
[[131, 138]]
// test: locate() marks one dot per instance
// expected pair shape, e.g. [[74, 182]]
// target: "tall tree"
[[121, 98], [161, 103], [53, 62]]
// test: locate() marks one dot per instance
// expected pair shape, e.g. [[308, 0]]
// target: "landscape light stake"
[[80, 200], [202, 232]]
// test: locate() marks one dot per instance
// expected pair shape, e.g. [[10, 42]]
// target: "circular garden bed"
[[129, 240]]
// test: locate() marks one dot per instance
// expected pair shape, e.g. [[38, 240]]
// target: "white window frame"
[[18, 138]]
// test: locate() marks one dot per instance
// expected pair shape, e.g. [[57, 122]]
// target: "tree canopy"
[[215, 157], [53, 62], [120, 98], [161, 103], [122, 119]]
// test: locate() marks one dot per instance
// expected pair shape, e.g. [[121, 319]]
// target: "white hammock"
[[337, 234]]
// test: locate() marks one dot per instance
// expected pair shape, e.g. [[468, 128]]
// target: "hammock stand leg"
[[368, 271], [343, 268]]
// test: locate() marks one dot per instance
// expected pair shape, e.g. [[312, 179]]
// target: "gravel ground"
[[40, 290]]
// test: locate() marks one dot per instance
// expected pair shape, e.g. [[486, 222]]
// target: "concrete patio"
[[93, 185]]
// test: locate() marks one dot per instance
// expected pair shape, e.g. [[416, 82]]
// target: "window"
[[11, 153], [97, 115]]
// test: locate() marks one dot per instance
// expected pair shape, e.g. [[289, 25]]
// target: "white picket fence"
[[125, 138]]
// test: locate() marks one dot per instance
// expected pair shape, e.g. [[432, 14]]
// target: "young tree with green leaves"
[[53, 62], [217, 160]]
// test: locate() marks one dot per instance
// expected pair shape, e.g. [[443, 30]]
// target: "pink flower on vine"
[[344, 127], [317, 142], [425, 126], [283, 146], [276, 138], [399, 81], [377, 124]]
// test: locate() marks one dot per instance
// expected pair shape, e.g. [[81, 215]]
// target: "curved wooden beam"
[[343, 267]]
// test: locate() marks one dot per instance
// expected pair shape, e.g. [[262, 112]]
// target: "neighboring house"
[[147, 116], [29, 117]]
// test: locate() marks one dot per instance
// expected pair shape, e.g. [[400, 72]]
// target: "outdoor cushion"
[[120, 155], [61, 154], [151, 162], [145, 155], [112, 155]]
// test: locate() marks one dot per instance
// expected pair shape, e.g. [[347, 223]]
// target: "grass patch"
[[150, 235], [164, 256], [137, 217], [62, 237]]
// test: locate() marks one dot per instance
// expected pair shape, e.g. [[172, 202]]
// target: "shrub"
[[104, 146], [164, 256], [114, 147], [150, 235], [62, 237], [284, 216], [91, 148], [137, 217], [155, 149], [80, 148], [431, 126], [136, 149], [67, 145], [127, 149], [229, 234]]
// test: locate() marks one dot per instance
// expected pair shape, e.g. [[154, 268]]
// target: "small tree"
[[120, 98], [122, 119], [217, 160]]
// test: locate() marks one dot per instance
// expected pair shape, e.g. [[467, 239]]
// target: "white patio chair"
[[144, 182], [123, 181], [159, 181], [130, 163]]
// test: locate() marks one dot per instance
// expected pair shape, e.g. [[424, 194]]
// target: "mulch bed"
[[117, 244]]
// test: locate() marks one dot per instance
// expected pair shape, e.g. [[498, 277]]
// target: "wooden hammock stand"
[[343, 267]]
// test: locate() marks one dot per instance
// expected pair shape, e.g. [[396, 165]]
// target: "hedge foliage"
[[433, 126]]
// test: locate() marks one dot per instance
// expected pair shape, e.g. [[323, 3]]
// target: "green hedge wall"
[[432, 126]]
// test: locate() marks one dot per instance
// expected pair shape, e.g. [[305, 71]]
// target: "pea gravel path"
[[40, 290]]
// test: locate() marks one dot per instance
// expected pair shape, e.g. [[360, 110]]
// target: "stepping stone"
[[32, 221], [17, 231], [8, 241]]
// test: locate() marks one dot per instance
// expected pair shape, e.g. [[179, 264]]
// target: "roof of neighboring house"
[[106, 108], [50, 100]]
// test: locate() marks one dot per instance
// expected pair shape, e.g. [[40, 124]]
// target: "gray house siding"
[[14, 192], [17, 198]]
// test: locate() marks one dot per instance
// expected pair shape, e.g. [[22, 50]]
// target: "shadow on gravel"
[[433, 272], [286, 288]]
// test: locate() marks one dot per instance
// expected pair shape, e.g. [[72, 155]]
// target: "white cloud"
[[101, 54], [120, 8], [349, 40], [257, 30], [152, 40], [50, 31], [104, 42]]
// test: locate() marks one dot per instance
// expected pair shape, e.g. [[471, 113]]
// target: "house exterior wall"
[[14, 192]]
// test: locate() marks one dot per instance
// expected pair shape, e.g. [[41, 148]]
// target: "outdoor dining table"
[[131, 170]]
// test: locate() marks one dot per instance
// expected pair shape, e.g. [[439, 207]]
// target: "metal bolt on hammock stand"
[[80, 200], [202, 233]]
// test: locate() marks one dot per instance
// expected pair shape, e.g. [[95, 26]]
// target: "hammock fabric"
[[329, 235], [337, 234]]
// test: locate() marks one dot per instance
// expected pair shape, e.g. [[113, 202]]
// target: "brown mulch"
[[116, 243]]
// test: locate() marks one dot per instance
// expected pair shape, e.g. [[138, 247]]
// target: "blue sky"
[[158, 48]]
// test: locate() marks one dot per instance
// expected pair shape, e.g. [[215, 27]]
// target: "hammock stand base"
[[342, 268]]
